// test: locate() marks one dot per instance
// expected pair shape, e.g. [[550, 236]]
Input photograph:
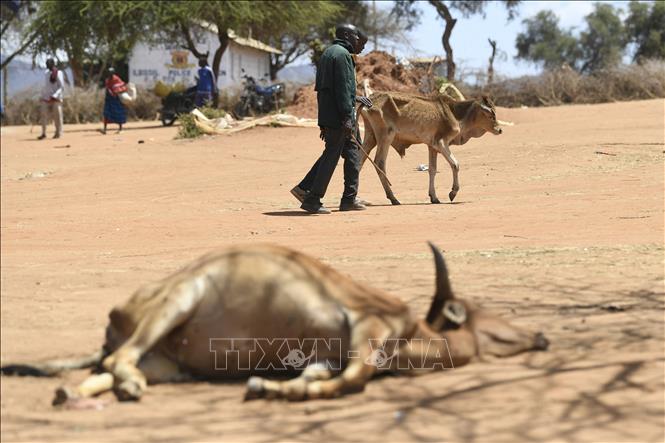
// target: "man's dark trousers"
[[317, 179]]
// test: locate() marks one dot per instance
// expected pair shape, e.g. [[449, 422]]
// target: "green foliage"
[[13, 29], [599, 46], [604, 40], [293, 26], [88, 31], [545, 43], [188, 128], [645, 27]]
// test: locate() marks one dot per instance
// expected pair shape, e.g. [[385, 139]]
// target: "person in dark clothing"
[[206, 87], [336, 96]]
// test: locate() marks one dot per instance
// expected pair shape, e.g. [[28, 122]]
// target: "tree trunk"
[[490, 69], [275, 66], [191, 46], [77, 71], [444, 13], [223, 36], [19, 51], [450, 63]]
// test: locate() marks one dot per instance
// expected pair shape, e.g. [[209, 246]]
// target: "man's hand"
[[365, 101], [322, 134], [348, 127]]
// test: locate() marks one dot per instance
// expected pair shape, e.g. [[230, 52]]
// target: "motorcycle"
[[257, 99], [177, 103]]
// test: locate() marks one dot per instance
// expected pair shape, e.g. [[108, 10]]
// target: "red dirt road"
[[558, 226]]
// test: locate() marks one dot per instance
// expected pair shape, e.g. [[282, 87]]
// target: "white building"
[[172, 64]]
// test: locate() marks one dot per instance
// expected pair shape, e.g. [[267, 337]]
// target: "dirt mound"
[[304, 103], [380, 68], [385, 74]]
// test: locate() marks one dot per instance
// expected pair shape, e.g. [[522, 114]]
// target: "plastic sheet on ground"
[[228, 125]]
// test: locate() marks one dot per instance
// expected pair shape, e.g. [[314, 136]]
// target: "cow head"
[[485, 116], [491, 334]]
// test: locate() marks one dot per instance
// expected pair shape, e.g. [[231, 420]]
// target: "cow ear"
[[443, 292]]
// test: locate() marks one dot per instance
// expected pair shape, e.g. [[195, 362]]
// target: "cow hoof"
[[62, 395], [129, 390], [541, 343], [254, 388], [452, 195], [434, 200], [394, 201]]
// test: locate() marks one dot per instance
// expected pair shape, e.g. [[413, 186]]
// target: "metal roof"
[[243, 41]]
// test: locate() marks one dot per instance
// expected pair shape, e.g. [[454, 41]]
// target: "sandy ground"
[[558, 226]]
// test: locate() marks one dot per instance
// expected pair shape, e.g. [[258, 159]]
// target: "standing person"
[[336, 94], [114, 110], [206, 86], [51, 99]]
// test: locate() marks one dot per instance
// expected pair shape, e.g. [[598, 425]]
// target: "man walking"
[[51, 99], [336, 95]]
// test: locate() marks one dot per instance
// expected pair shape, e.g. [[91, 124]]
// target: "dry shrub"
[[564, 86], [188, 128], [79, 106]]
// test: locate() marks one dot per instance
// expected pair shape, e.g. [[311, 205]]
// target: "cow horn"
[[443, 290]]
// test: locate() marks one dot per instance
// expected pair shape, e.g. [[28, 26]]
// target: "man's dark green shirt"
[[336, 85]]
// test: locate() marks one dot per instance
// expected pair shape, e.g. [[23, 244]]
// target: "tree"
[[546, 44], [604, 41], [645, 27], [13, 15], [490, 68], [89, 32], [467, 8], [293, 26], [182, 22]]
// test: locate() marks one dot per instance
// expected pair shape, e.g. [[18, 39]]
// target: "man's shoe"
[[41, 137], [352, 206], [56, 136], [312, 209], [299, 193]]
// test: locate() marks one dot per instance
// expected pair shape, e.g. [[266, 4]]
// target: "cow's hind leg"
[[94, 385], [155, 367], [178, 304]]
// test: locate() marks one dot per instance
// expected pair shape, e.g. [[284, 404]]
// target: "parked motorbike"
[[257, 99], [177, 103]]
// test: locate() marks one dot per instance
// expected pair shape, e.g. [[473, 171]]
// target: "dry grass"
[[564, 86], [80, 106]]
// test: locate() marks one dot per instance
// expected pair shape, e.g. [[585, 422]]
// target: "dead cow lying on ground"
[[254, 310], [402, 120]]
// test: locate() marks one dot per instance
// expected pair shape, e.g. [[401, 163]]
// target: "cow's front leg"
[[432, 175], [444, 148], [295, 389], [359, 369]]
